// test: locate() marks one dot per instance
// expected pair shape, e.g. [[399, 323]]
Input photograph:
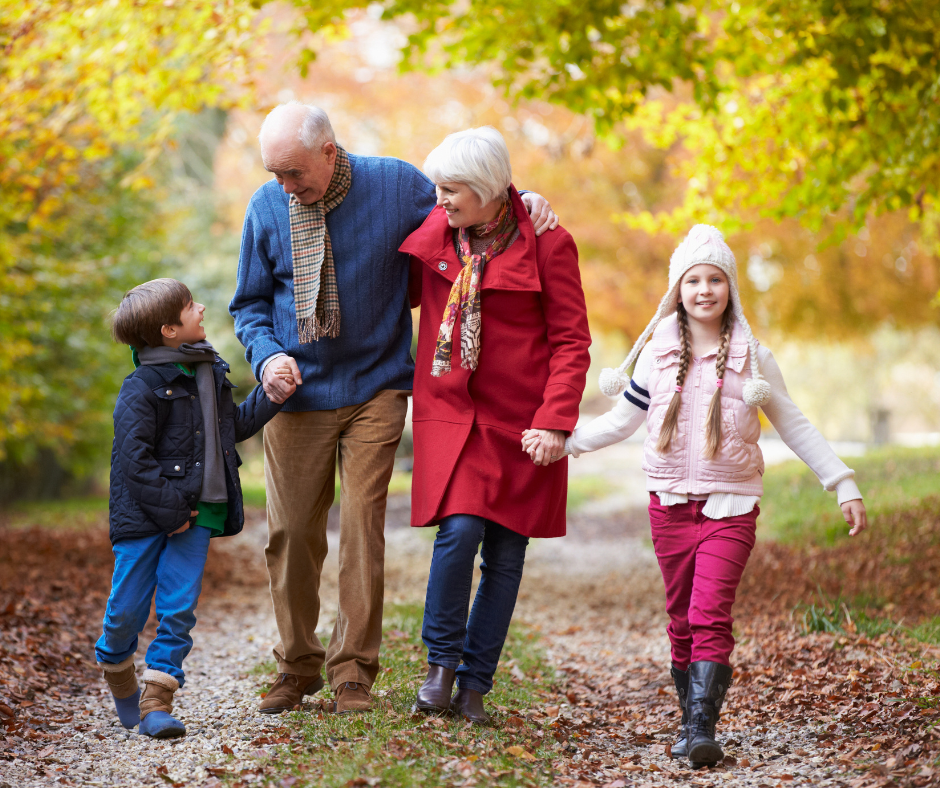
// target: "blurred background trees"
[[806, 131], [91, 96]]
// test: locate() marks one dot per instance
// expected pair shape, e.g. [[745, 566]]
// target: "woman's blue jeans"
[[448, 635], [173, 567]]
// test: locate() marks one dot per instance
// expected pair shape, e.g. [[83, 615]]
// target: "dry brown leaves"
[[53, 588]]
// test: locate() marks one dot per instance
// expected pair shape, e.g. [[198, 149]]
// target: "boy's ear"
[[168, 331]]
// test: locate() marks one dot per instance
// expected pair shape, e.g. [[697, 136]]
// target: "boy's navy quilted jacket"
[[159, 449]]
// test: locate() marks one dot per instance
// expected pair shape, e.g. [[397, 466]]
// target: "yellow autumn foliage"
[[90, 93]]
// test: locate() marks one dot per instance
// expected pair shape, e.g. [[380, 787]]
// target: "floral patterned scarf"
[[465, 294]]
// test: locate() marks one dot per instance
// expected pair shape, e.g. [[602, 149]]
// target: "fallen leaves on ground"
[[54, 585]]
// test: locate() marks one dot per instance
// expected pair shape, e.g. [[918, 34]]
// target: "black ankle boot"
[[681, 679], [708, 683]]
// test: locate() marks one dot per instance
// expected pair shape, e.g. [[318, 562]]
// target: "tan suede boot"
[[122, 681], [156, 705]]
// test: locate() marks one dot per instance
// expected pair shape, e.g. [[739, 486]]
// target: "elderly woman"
[[506, 364]]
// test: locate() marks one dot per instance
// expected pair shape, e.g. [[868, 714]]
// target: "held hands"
[[544, 446], [192, 516], [540, 212], [855, 515], [280, 379]]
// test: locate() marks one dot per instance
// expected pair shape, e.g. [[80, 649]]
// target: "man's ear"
[[329, 150]]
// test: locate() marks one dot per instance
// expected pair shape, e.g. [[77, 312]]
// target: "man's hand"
[[544, 446], [279, 386], [182, 528], [855, 515], [541, 213]]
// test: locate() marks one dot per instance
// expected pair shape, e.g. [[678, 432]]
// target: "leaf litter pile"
[[834, 683]]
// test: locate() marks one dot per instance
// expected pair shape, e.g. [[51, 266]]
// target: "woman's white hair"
[[313, 124], [477, 157]]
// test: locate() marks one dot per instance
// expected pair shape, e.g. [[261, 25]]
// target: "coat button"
[[442, 266], [169, 392], [226, 452], [197, 432], [176, 467], [198, 464], [192, 396]]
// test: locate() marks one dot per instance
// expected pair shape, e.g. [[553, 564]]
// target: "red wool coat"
[[533, 362]]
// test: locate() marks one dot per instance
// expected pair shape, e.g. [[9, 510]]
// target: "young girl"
[[698, 383]]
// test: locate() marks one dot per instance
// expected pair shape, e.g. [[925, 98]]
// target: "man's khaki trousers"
[[300, 452]]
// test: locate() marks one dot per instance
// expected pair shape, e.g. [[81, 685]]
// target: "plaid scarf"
[[316, 294], [465, 294]]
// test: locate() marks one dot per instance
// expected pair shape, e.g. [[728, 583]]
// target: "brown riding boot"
[[468, 703], [434, 695]]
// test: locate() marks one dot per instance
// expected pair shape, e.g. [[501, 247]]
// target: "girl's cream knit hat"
[[703, 244]]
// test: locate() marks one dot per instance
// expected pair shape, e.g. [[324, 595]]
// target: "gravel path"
[[596, 596]]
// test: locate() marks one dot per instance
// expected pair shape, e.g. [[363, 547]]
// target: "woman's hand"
[[855, 515], [544, 446]]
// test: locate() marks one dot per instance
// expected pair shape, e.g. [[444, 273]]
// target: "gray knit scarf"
[[203, 355]]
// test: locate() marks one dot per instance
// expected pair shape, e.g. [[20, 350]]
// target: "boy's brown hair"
[[145, 309]]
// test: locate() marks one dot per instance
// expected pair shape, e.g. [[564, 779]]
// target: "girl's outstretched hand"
[[855, 515]]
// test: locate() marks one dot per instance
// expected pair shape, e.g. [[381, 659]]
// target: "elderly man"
[[322, 284]]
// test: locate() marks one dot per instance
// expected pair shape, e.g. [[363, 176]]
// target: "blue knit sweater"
[[387, 201]]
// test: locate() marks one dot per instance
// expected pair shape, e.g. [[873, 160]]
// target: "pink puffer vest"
[[739, 465]]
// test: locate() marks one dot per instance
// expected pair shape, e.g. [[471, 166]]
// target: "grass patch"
[[795, 508], [584, 489], [392, 746], [861, 617], [77, 513]]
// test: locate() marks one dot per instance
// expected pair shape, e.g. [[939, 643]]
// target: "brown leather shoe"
[[351, 696], [434, 695], [468, 703], [288, 691]]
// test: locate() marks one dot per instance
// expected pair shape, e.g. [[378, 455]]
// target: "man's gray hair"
[[315, 127], [477, 157]]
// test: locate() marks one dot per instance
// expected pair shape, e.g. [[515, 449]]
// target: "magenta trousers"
[[702, 561]]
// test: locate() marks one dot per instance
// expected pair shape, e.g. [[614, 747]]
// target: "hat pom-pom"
[[756, 392], [612, 382]]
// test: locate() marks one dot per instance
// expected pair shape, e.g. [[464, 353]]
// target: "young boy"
[[174, 484]]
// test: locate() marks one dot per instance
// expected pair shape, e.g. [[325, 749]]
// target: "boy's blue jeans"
[[448, 635], [171, 565]]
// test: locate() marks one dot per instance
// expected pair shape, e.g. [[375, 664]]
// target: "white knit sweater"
[[792, 426]]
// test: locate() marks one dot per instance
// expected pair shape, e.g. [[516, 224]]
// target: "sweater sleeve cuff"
[[262, 350], [847, 490], [268, 360]]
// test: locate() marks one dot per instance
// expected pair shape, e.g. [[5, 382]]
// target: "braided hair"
[[713, 419], [671, 421]]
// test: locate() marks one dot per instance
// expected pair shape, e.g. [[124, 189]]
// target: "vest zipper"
[[693, 431]]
